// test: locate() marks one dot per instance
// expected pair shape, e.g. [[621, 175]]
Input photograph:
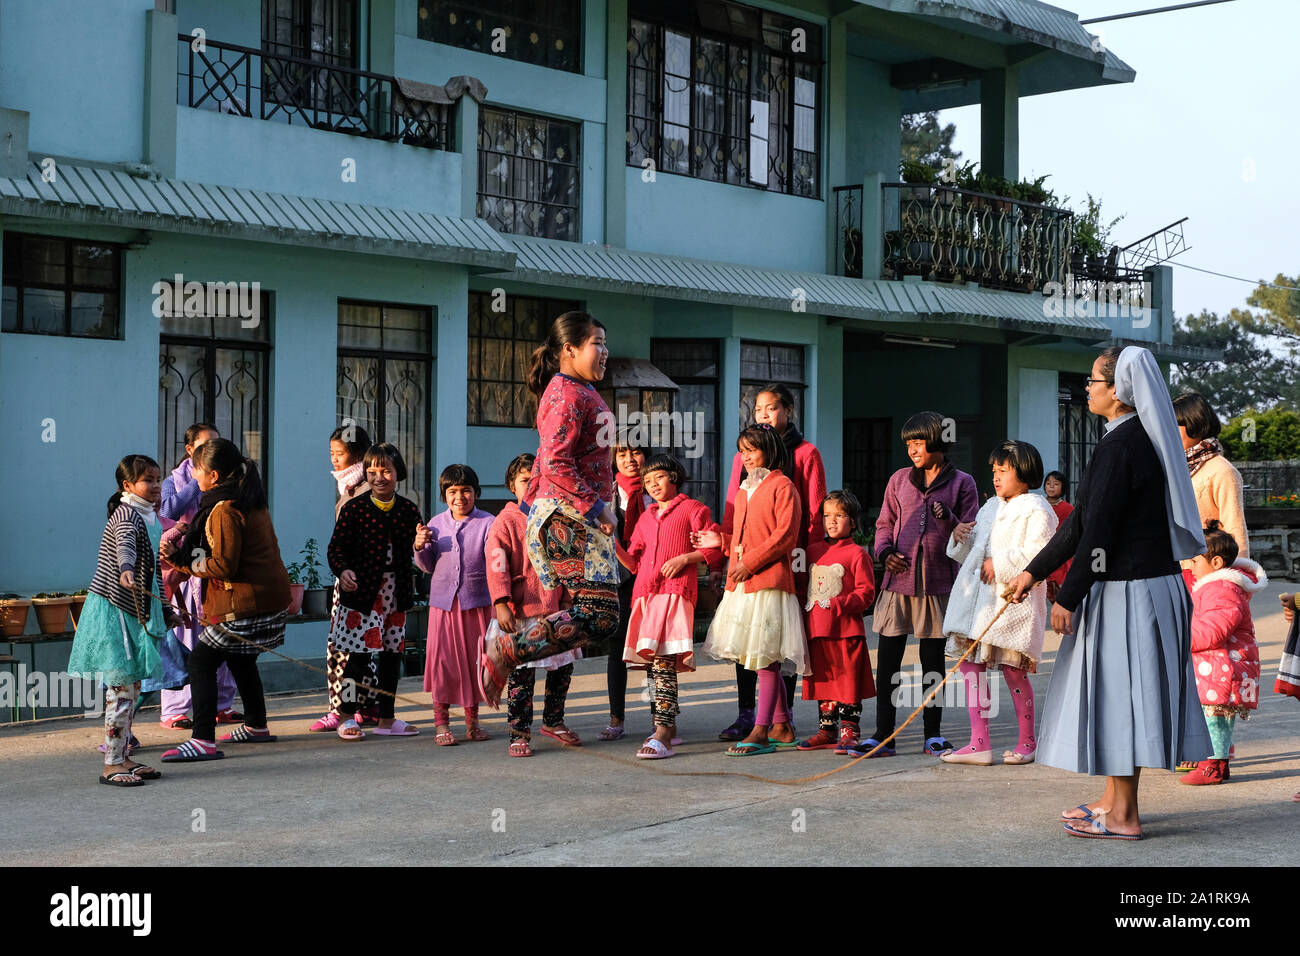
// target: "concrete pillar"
[[616, 123], [381, 41], [158, 146], [729, 404], [836, 122], [14, 125], [467, 146], [1160, 280], [1000, 123], [873, 225]]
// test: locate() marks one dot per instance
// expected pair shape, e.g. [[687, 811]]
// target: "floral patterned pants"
[[119, 709], [520, 690]]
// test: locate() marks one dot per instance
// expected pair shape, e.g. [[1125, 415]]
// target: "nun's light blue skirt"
[[1122, 693]]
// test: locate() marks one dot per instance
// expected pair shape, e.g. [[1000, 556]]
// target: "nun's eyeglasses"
[[1090, 381]]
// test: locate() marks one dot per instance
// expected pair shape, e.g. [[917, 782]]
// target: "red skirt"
[[841, 670]]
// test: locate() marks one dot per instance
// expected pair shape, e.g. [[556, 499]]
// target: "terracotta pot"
[[52, 614], [295, 597], [13, 616], [316, 603], [78, 602]]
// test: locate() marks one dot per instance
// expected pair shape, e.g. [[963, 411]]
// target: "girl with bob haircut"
[[571, 524], [1216, 482]]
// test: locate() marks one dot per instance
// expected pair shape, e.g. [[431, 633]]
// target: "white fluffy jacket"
[[1011, 533]]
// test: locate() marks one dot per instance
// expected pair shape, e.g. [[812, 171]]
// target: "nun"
[[1122, 694]]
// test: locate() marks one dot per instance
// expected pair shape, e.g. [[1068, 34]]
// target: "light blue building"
[[409, 190]]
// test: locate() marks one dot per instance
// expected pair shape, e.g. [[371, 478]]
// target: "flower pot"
[[52, 614], [13, 616], [316, 603], [78, 602], [295, 597]]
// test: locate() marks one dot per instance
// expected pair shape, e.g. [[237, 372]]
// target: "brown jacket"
[[245, 574]]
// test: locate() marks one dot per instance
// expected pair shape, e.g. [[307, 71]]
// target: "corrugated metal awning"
[[113, 197]]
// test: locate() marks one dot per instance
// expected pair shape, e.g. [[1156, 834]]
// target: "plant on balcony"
[[13, 614], [52, 611], [1091, 235], [316, 598]]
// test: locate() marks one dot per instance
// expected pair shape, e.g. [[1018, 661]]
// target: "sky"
[[1207, 130]]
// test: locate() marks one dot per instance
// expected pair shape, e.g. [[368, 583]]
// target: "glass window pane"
[[94, 314], [43, 311], [43, 261], [94, 266], [359, 392], [10, 312], [13, 258], [754, 362], [182, 397], [359, 326]]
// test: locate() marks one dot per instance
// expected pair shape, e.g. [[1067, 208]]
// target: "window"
[[1078, 430], [762, 364], [214, 369], [868, 445], [693, 364], [320, 30], [543, 32], [528, 174], [501, 345], [723, 92], [58, 286], [385, 361]]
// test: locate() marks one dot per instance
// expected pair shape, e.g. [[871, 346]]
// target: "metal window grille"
[[762, 364], [501, 344], [693, 364], [528, 174]]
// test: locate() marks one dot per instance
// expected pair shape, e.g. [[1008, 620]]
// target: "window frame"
[[799, 388], [508, 20], [549, 306], [69, 288], [787, 105], [512, 159], [381, 355]]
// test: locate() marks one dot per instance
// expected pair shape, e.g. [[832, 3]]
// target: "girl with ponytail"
[[571, 524], [231, 547]]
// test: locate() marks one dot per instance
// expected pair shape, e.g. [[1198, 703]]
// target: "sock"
[[1022, 699]]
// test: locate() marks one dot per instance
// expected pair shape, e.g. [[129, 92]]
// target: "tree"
[[1281, 307], [1273, 435], [925, 141], [1250, 375]]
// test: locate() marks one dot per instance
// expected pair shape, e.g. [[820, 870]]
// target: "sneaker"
[[229, 717], [178, 722]]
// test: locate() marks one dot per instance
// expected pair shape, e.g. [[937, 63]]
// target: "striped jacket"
[[125, 545]]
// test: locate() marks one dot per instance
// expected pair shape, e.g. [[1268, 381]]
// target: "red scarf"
[[635, 491]]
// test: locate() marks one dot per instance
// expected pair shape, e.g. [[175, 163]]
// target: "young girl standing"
[[1054, 489], [117, 636], [841, 587], [630, 502], [232, 544], [452, 547], [661, 628], [1224, 651], [348, 447], [570, 522], [180, 502], [759, 623], [518, 598], [370, 552], [922, 505], [1009, 530]]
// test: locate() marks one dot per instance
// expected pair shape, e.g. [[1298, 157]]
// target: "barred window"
[[503, 332], [723, 92], [528, 181], [693, 364], [321, 30], [543, 32], [56, 286], [762, 364]]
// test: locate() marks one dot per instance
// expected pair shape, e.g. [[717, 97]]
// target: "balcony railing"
[[289, 89]]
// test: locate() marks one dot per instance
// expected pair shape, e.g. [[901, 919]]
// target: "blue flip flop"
[[1087, 814], [1098, 831], [749, 750], [868, 745]]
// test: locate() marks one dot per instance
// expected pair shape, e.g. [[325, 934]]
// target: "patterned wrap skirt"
[[249, 635]]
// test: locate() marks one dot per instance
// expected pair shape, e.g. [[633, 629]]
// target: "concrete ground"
[[314, 800]]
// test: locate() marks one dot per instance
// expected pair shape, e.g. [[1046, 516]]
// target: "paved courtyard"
[[312, 799]]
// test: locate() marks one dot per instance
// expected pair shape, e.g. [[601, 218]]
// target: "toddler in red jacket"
[[1224, 653]]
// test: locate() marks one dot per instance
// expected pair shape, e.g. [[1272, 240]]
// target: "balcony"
[[246, 82], [943, 234]]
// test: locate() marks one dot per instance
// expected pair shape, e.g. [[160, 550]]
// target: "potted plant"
[[919, 177], [52, 611], [296, 587], [78, 602], [13, 614], [316, 598]]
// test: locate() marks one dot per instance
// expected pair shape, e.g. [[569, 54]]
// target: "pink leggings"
[[1022, 699], [772, 707]]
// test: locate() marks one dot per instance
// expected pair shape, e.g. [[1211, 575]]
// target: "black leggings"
[[747, 688], [204, 661], [358, 671], [889, 667], [615, 666]]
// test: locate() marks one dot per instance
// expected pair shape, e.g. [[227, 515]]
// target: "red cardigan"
[[809, 477], [857, 589], [660, 535], [510, 573], [1062, 509], [766, 531]]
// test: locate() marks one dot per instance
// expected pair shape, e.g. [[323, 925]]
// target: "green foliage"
[[306, 571], [1250, 375], [1091, 232], [911, 171], [926, 142], [1275, 434], [1281, 309]]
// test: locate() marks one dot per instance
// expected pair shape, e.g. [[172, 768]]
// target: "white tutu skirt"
[[759, 629]]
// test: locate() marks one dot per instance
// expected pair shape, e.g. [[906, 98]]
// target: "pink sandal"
[[563, 734], [326, 723], [400, 728]]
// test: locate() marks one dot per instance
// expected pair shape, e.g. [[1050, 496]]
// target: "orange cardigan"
[[766, 532]]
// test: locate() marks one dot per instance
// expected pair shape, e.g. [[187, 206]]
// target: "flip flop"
[[566, 737], [190, 752], [1087, 814], [328, 722], [245, 736], [612, 733], [145, 773], [1099, 832], [784, 744], [749, 750], [675, 742], [657, 750], [400, 728], [130, 779], [445, 739], [347, 725]]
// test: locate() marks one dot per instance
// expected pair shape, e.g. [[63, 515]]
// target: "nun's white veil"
[[1138, 383]]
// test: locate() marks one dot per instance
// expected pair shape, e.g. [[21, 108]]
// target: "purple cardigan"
[[180, 495], [456, 557], [907, 526]]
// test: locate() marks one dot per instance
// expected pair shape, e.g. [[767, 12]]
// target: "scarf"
[[1200, 453], [197, 536], [350, 477], [635, 491], [141, 507]]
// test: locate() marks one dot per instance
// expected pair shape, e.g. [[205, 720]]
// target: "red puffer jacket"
[[1224, 652]]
